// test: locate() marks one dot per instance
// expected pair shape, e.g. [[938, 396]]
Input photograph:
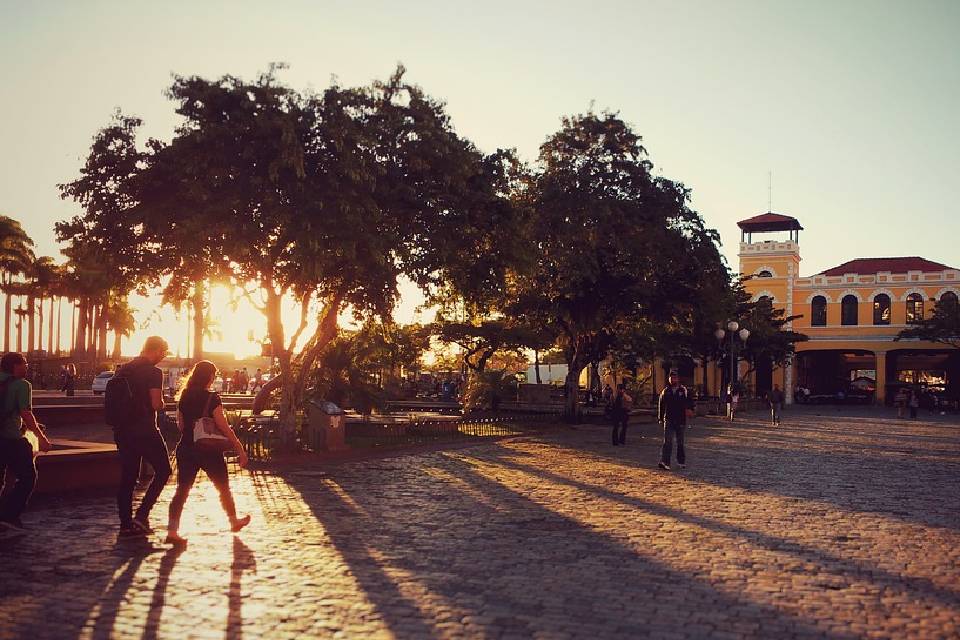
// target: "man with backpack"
[[675, 402], [131, 402], [16, 452]]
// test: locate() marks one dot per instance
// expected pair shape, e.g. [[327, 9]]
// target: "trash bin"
[[327, 426]]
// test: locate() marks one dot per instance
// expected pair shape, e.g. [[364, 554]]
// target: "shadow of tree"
[[879, 477], [507, 564], [843, 569]]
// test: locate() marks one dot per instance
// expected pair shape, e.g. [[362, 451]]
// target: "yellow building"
[[851, 313]]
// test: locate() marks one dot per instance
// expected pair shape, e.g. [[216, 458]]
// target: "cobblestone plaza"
[[832, 526]]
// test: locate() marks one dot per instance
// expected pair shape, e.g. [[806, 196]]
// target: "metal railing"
[[261, 435]]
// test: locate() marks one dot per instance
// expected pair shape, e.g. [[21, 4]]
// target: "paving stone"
[[827, 527]]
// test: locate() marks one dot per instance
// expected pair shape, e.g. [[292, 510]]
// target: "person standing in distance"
[[620, 414], [16, 452], [140, 439], [674, 403], [776, 399]]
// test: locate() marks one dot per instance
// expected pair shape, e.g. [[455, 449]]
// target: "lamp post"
[[743, 334]]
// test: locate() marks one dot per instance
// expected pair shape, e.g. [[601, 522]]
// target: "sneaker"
[[683, 466], [175, 540], [664, 466], [131, 531], [143, 526], [240, 523]]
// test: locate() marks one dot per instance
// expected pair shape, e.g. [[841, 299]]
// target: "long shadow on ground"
[[507, 564], [912, 485], [841, 569]]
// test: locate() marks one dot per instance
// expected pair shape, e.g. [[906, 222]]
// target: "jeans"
[[133, 449], [17, 456], [620, 419], [189, 463], [669, 431], [775, 408]]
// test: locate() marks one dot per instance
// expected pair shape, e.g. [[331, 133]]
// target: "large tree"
[[322, 200], [615, 244], [105, 261]]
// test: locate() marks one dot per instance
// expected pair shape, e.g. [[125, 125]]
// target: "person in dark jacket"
[[620, 407], [675, 401], [776, 399]]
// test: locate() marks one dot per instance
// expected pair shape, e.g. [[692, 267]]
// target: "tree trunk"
[[102, 333], [571, 410], [295, 370], [20, 333], [92, 330], [536, 365], [80, 337], [53, 304], [40, 324], [73, 325], [116, 345], [196, 301], [7, 314], [31, 322]]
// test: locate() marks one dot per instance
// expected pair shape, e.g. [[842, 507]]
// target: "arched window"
[[767, 300], [914, 307], [818, 315], [881, 309], [949, 298], [848, 310], [764, 274]]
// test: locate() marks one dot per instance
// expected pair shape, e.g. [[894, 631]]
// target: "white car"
[[100, 382]]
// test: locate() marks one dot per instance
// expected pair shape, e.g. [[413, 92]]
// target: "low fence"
[[260, 435]]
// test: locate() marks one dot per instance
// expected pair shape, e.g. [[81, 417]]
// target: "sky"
[[849, 105]]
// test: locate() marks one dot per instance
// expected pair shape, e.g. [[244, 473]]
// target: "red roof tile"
[[870, 266], [770, 222]]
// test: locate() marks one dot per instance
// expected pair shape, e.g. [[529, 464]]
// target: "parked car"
[[99, 384]]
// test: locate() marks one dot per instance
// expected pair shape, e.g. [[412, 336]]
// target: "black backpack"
[[120, 406]]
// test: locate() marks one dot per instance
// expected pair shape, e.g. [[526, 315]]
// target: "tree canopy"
[[942, 325]]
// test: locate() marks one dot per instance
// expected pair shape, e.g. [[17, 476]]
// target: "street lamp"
[[743, 334]]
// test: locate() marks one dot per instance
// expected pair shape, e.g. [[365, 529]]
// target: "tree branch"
[[304, 309]]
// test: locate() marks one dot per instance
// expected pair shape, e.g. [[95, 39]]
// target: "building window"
[[766, 300], [818, 317], [881, 309], [948, 298], [848, 310], [914, 307], [764, 274]]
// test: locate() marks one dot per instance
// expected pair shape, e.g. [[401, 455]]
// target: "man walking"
[[675, 401], [620, 414], [140, 439], [776, 399], [16, 452]]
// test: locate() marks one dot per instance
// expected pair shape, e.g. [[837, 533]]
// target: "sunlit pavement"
[[827, 527]]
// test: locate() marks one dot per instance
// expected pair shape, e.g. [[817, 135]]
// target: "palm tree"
[[42, 273], [120, 320], [16, 258]]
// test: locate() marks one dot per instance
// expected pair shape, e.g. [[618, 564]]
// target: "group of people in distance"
[[138, 440], [241, 382], [674, 407]]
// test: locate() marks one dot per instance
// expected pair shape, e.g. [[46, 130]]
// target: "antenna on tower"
[[769, 191]]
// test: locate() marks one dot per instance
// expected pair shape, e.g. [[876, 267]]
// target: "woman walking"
[[196, 401]]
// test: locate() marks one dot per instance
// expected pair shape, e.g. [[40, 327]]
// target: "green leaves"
[[942, 325]]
